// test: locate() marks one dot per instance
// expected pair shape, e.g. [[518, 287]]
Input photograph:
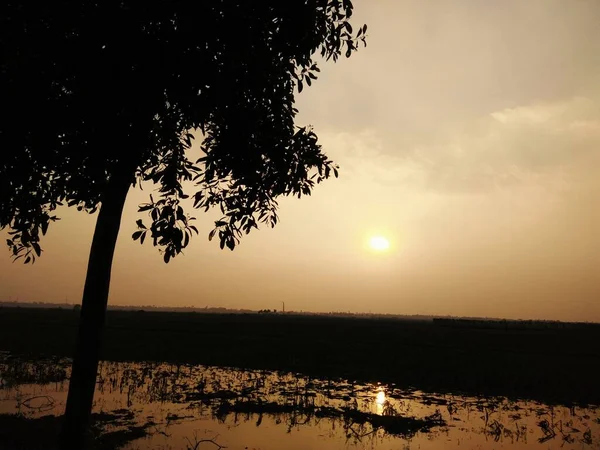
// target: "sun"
[[379, 243]]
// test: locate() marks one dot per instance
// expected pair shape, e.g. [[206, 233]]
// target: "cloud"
[[551, 145]]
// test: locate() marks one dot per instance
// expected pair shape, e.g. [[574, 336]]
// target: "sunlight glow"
[[379, 243], [380, 400]]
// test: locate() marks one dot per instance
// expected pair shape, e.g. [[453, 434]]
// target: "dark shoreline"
[[548, 365]]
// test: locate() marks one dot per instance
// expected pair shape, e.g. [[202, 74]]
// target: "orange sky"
[[467, 133]]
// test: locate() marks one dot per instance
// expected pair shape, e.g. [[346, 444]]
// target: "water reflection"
[[380, 400], [261, 409]]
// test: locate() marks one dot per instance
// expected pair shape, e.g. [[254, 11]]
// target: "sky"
[[467, 134]]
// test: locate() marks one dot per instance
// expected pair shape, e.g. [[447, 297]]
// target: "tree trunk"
[[93, 313]]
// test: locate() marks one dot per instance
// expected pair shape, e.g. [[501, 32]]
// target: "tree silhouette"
[[98, 97]]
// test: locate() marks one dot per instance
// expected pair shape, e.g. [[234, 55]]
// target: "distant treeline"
[[217, 310], [509, 324], [447, 321], [183, 309]]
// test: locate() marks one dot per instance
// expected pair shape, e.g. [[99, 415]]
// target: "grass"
[[554, 366], [15, 371]]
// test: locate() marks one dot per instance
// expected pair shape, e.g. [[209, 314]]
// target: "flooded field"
[[195, 407]]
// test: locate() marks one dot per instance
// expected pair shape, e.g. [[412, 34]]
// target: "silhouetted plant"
[[100, 96], [291, 400]]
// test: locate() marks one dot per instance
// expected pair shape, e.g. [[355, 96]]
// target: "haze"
[[468, 135]]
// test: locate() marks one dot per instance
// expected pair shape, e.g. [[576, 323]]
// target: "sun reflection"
[[380, 400]]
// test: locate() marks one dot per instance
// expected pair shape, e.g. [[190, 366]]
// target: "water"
[[180, 406]]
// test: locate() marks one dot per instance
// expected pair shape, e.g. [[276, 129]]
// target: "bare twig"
[[46, 406], [197, 442]]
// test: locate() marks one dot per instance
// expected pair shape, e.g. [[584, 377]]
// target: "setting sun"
[[379, 243]]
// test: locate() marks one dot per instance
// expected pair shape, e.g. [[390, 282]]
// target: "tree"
[[98, 97]]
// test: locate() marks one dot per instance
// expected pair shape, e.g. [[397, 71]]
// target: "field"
[[550, 365]]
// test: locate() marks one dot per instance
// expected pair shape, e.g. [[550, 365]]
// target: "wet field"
[[194, 381], [547, 365], [166, 406]]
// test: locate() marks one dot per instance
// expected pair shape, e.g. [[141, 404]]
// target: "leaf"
[[36, 248], [27, 260], [211, 235], [251, 154]]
